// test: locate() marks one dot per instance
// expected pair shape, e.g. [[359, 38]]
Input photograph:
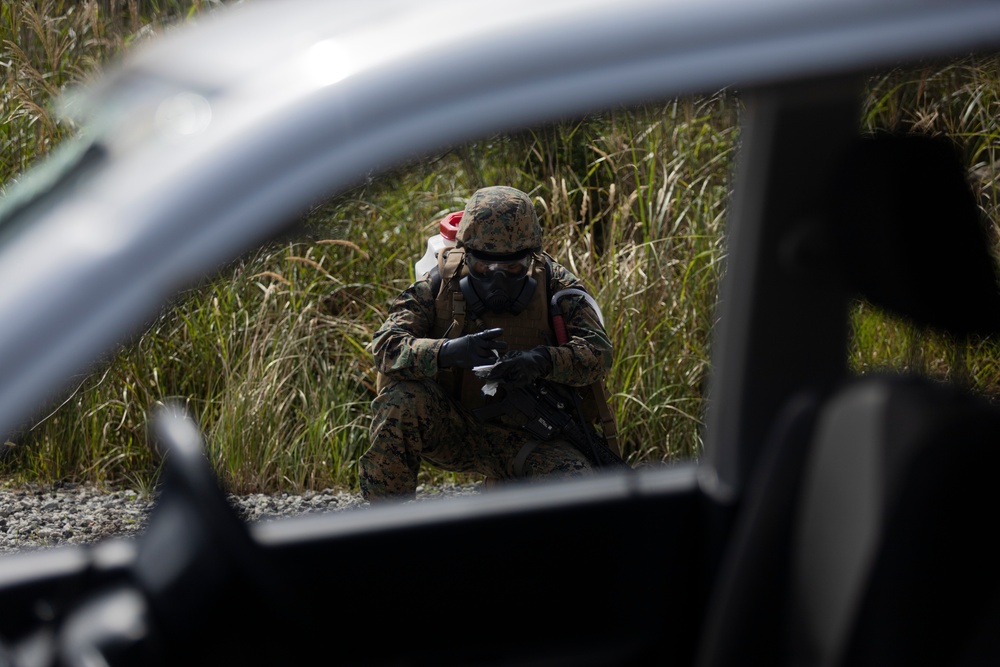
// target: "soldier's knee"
[[558, 458], [408, 395]]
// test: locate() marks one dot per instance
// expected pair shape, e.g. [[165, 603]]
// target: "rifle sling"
[[523, 455]]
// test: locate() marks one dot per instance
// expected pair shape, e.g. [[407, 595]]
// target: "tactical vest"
[[529, 328]]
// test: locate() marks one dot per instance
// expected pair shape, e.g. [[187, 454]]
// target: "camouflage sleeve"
[[586, 357], [401, 345]]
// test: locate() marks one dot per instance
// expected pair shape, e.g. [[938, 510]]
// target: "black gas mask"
[[498, 283]]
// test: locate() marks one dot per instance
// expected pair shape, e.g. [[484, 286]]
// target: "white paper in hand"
[[490, 388]]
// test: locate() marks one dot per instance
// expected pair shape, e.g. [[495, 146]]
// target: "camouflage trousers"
[[416, 421]]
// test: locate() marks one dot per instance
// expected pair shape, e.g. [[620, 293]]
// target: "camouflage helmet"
[[499, 220]]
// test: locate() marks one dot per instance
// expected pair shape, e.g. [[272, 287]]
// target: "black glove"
[[472, 350], [522, 367]]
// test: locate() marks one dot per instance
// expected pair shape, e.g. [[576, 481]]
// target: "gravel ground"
[[42, 517]]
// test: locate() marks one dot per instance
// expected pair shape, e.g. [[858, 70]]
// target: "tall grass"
[[46, 45], [960, 100], [272, 355], [640, 217]]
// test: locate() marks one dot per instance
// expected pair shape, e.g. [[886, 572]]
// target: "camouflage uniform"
[[416, 418]]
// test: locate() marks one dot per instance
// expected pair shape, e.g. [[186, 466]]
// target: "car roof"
[[694, 45], [212, 138]]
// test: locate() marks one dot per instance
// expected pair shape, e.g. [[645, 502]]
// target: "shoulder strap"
[[448, 270], [434, 275]]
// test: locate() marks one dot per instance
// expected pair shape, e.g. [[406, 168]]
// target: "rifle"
[[547, 407]]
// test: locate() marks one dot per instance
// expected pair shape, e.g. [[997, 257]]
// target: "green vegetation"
[[960, 100], [272, 355], [46, 45]]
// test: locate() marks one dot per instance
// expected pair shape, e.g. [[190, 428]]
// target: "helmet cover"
[[499, 220]]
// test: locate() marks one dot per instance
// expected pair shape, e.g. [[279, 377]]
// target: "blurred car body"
[[217, 136]]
